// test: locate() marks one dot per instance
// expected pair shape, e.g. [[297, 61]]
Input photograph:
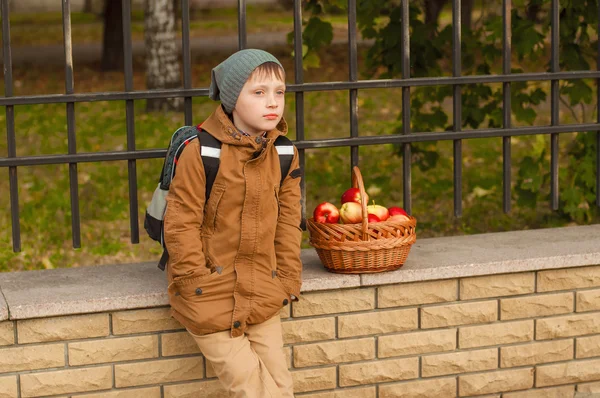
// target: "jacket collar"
[[222, 128]]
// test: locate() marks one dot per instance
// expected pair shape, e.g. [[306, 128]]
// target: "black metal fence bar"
[[187, 59], [299, 96], [305, 87], [309, 144], [242, 24], [506, 109], [598, 119], [71, 136], [457, 105], [554, 105], [130, 120], [11, 141], [353, 76], [406, 148]]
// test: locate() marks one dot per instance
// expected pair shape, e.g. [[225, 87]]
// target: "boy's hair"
[[269, 69]]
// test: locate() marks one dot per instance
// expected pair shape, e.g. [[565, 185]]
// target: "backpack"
[[210, 151]]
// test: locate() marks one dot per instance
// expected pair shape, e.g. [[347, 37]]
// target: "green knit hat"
[[228, 78]]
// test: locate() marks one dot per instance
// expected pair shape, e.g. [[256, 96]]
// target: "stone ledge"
[[3, 307], [36, 294]]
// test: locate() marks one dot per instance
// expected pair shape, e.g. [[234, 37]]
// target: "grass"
[[46, 28], [44, 201]]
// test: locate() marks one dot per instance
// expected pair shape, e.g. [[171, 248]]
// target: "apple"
[[353, 195], [397, 214], [373, 218], [394, 210], [351, 213], [326, 213], [380, 211]]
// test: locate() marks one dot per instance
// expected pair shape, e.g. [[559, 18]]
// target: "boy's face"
[[260, 104]]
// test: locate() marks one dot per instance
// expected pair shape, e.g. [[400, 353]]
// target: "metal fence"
[[354, 140]]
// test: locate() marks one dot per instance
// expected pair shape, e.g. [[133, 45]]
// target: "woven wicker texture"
[[365, 247]]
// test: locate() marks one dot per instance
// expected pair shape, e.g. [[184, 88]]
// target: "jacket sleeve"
[[184, 215], [288, 234]]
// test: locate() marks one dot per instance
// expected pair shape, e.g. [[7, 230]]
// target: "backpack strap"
[[210, 150], [285, 149]]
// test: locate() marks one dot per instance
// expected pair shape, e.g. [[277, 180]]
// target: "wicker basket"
[[364, 247]]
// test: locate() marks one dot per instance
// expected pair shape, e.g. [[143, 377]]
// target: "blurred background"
[[38, 68]]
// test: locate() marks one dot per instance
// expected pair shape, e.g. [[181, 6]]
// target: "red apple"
[[380, 211], [397, 214], [373, 218], [326, 213], [351, 213], [353, 195], [394, 210]]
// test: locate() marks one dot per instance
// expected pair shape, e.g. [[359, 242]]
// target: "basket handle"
[[357, 182]]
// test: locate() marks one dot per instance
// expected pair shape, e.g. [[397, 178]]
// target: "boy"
[[234, 259]]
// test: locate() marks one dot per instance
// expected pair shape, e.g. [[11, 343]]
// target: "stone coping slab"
[[67, 291], [3, 307]]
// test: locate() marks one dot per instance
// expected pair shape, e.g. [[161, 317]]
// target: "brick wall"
[[520, 335]]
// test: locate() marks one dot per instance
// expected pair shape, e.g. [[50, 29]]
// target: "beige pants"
[[252, 365]]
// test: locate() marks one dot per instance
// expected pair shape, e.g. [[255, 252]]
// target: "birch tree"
[[162, 58]]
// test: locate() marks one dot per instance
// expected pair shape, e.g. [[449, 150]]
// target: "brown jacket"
[[234, 260]]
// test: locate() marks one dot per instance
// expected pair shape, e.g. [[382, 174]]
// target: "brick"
[[494, 382], [434, 388], [334, 352], [379, 371], [178, 343], [588, 347], [314, 379], [150, 392], [417, 293], [286, 312], [459, 314], [113, 350], [141, 321], [554, 392], [210, 371], [592, 388], [459, 362], [162, 371], [495, 334], [62, 328], [568, 279], [200, 389], [378, 322], [568, 373], [588, 300], [32, 357], [536, 306], [288, 356], [567, 326], [360, 392], [536, 353], [7, 333], [66, 381], [497, 285], [306, 330], [8, 387], [417, 343], [334, 302]]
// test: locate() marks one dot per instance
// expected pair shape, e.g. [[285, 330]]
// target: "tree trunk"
[[87, 7], [434, 7], [112, 44], [162, 57]]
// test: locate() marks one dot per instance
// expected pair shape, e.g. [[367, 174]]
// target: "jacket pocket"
[[192, 288], [211, 207]]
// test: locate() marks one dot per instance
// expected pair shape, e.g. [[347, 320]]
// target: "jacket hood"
[[222, 128]]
